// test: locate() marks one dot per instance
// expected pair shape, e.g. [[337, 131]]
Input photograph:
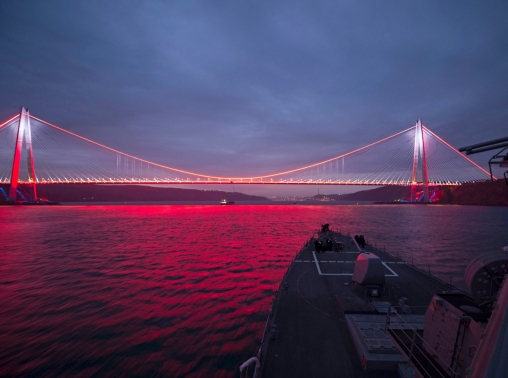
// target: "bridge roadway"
[[212, 182]]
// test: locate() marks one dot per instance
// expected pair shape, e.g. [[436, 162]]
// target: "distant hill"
[[130, 193], [480, 193], [489, 193], [383, 194]]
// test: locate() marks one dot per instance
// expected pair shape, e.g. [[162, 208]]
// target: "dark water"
[[184, 290]]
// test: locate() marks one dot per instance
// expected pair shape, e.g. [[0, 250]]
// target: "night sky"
[[255, 87]]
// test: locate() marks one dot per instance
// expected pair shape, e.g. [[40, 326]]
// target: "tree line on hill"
[[132, 193], [488, 193]]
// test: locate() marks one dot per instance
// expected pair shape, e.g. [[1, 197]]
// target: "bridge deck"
[[211, 182]]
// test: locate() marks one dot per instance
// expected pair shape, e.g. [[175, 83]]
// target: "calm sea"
[[183, 291]]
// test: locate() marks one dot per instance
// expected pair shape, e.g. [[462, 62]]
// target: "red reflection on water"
[[172, 291], [182, 290]]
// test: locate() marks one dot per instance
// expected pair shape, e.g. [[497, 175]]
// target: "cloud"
[[241, 87]]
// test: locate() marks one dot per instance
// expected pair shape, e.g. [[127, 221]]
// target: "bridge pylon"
[[24, 134], [420, 176]]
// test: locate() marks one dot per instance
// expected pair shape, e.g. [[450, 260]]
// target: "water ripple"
[[174, 291]]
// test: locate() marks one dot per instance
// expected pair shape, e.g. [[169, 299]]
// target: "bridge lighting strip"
[[9, 121], [120, 152], [457, 152], [207, 176]]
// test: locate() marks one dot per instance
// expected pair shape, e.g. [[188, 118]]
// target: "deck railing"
[[416, 349], [270, 326]]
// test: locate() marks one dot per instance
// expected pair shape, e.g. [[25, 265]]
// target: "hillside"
[[383, 194], [129, 193], [481, 193]]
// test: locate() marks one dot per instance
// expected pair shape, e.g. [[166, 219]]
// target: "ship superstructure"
[[362, 312]]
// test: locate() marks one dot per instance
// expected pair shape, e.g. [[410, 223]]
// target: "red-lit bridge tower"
[[420, 175], [24, 134]]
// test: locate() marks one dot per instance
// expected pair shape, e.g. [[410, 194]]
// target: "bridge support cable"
[[385, 162], [63, 158], [447, 166], [87, 161]]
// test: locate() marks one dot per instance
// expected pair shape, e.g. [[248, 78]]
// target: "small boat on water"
[[226, 202]]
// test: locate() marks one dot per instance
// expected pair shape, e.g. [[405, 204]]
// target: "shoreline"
[[248, 203]]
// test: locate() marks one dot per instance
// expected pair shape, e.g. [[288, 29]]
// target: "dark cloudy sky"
[[252, 87]]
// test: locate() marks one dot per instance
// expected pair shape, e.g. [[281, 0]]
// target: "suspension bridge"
[[413, 157]]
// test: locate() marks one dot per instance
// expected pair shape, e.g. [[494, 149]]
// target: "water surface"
[[174, 291]]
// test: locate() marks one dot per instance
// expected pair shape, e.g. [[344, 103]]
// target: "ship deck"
[[321, 325]]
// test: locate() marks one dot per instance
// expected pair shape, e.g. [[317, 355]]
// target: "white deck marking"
[[316, 261], [339, 252], [317, 264], [327, 274], [393, 273]]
